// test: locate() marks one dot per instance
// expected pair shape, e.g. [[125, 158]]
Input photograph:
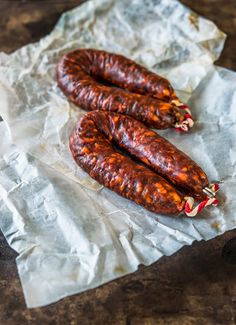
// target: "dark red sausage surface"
[[92, 148], [155, 151], [148, 98]]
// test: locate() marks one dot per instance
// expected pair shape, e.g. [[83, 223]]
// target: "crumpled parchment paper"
[[70, 234]]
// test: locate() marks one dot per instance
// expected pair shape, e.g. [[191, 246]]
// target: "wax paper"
[[71, 234]]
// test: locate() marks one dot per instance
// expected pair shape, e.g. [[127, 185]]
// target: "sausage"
[[154, 151], [145, 96], [92, 148]]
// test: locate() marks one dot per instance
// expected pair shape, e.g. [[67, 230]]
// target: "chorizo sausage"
[[92, 148], [144, 95], [154, 151]]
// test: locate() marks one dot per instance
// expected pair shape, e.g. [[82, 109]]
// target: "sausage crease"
[[92, 146], [144, 95]]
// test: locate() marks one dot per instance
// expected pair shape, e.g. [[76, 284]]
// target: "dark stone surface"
[[195, 286], [223, 14], [229, 251]]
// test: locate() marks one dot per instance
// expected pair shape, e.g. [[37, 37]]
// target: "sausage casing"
[[92, 148], [156, 152], [80, 74]]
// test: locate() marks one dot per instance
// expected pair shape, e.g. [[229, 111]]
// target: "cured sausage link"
[[78, 74], [123, 72], [153, 150], [92, 149]]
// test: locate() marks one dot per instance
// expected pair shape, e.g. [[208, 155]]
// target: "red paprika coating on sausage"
[[148, 96], [156, 152], [92, 149], [153, 150]]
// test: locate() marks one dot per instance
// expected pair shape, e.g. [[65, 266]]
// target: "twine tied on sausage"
[[187, 122], [210, 191]]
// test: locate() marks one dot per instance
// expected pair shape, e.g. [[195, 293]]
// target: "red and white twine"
[[188, 122], [210, 191]]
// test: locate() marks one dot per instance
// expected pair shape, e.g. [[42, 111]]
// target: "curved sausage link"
[[79, 74], [153, 150], [122, 72], [92, 149]]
